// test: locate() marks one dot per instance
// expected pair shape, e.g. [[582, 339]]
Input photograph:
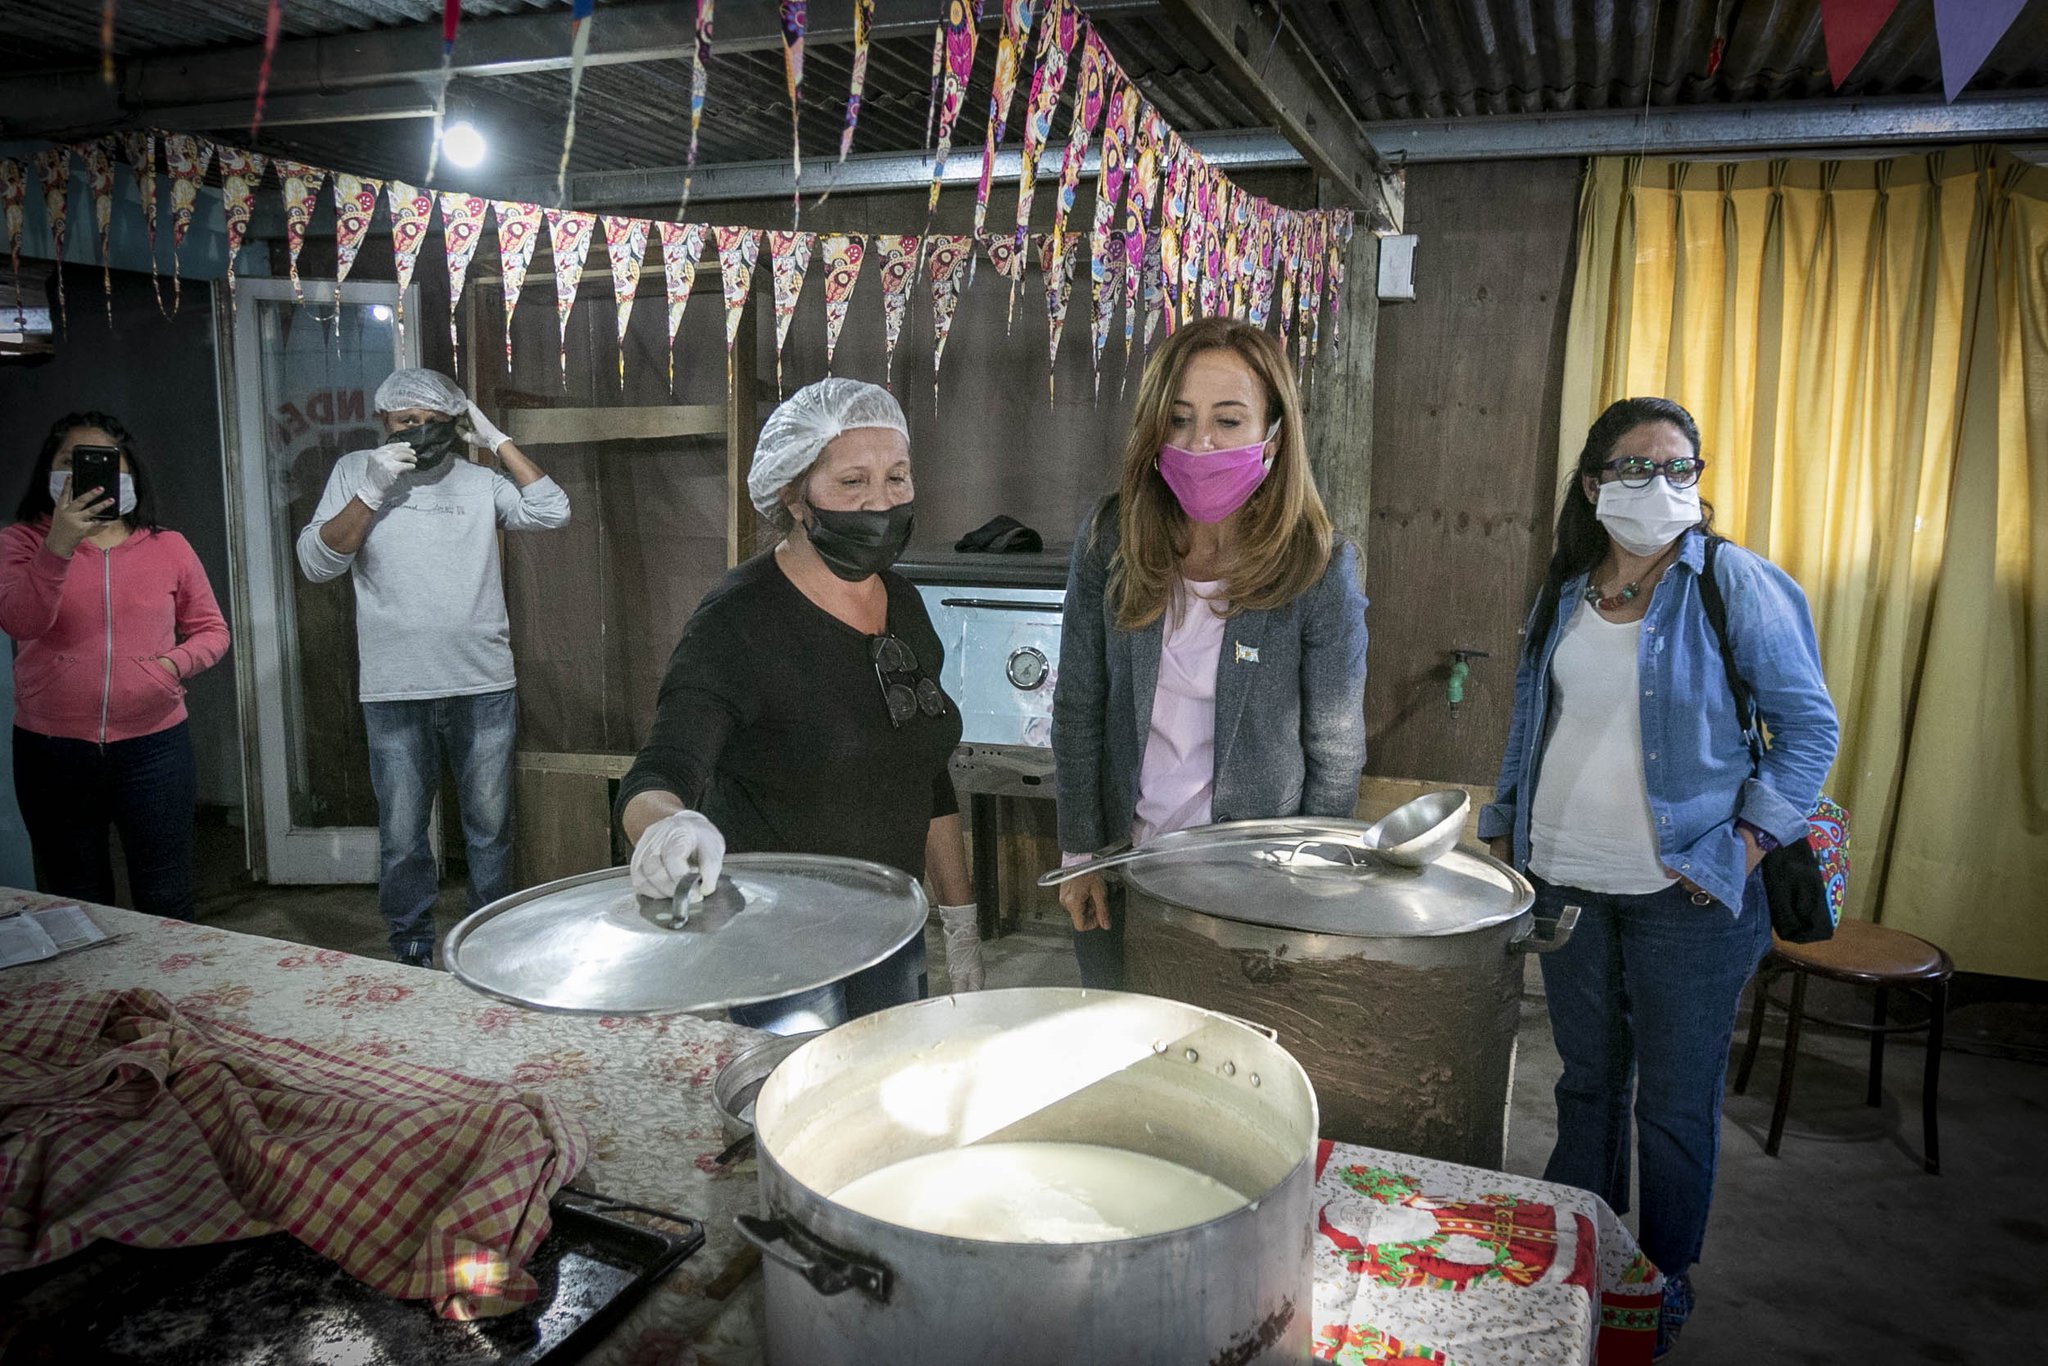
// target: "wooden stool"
[[1861, 954]]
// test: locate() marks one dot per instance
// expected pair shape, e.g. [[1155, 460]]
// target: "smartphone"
[[98, 467]]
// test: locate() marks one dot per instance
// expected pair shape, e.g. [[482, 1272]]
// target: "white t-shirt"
[[1590, 825]]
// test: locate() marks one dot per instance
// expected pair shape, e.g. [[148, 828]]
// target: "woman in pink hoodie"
[[111, 614]]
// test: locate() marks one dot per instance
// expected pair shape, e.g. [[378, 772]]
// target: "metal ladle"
[[1412, 835]]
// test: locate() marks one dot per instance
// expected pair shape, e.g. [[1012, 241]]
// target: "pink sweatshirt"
[[92, 627]]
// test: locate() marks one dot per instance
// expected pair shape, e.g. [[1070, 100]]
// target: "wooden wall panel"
[[1464, 450]]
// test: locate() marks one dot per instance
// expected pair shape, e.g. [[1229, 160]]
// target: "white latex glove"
[[482, 433], [670, 849], [387, 463], [963, 947]]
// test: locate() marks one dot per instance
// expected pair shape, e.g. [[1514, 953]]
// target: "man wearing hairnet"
[[415, 523], [802, 712]]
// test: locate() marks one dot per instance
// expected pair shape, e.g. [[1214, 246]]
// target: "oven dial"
[[1027, 668]]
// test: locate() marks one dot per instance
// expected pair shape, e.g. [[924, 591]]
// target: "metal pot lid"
[[777, 924], [1328, 881]]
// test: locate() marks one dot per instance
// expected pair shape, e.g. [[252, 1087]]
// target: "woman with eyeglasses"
[[801, 712], [1628, 790], [1212, 646]]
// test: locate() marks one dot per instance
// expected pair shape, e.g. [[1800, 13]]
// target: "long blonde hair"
[[1282, 534]]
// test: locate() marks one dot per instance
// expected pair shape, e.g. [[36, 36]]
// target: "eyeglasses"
[[1636, 471], [906, 687]]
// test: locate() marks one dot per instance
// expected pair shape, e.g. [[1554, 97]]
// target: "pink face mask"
[[1211, 485]]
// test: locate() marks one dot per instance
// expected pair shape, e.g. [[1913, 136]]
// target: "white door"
[[297, 385]]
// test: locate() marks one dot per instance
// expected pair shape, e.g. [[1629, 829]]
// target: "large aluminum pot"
[[1399, 989], [1036, 1065]]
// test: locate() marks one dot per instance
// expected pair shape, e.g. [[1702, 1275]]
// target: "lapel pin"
[[1246, 654]]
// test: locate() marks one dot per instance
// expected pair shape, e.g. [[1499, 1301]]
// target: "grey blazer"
[[1290, 701]]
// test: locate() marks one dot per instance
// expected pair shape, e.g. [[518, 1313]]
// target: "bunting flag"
[[186, 158], [681, 246], [1311, 298], [1002, 250], [793, 18], [1848, 27], [705, 10], [1289, 271], [1967, 30], [1017, 16], [300, 185], [451, 20], [863, 34], [582, 19], [99, 183], [1087, 114], [518, 234], [1340, 254], [1120, 118], [1144, 180], [931, 118], [899, 266], [240, 173], [1261, 310], [843, 256], [957, 36], [569, 234], [1173, 213], [946, 257], [1215, 277], [13, 193], [273, 24], [138, 149], [462, 228], [411, 210], [1194, 238], [789, 259], [1155, 287], [1058, 259], [1238, 254], [739, 251], [625, 242], [355, 204], [1106, 267], [1048, 79]]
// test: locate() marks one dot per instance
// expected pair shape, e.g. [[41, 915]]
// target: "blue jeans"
[[70, 791], [896, 980], [1643, 996], [408, 741]]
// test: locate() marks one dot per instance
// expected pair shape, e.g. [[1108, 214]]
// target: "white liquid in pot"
[[1039, 1193]]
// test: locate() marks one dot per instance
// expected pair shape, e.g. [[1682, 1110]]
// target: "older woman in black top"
[[801, 713]]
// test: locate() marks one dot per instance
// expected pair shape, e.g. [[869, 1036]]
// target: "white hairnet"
[[798, 431], [428, 389]]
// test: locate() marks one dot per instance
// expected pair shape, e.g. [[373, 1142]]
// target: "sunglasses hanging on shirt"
[[906, 688]]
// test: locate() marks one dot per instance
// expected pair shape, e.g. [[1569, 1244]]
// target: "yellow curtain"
[[1865, 345]]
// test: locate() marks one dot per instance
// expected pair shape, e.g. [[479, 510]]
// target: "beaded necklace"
[[1630, 590]]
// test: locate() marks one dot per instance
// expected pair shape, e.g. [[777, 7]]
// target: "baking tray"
[[273, 1301]]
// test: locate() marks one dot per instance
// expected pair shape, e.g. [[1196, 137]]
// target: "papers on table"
[[32, 936]]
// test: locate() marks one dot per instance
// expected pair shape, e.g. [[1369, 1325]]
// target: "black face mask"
[[854, 545], [433, 442]]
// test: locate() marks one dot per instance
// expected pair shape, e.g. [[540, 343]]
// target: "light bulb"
[[463, 145], [381, 312]]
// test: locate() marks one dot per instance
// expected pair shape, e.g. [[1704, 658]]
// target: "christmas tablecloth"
[[1414, 1260]]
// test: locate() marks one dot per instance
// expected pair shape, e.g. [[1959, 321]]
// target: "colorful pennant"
[[582, 19], [1106, 268], [863, 34], [739, 251], [240, 173], [1967, 30], [794, 13], [625, 242], [899, 271], [355, 204], [1087, 114], [138, 149], [681, 246], [13, 193], [946, 257], [1848, 28], [273, 24], [705, 9], [99, 183], [1017, 16], [789, 257], [1155, 288], [186, 158], [569, 234], [300, 185], [843, 255], [1055, 41], [1173, 214], [1002, 252], [462, 228], [1144, 191], [957, 35], [518, 234], [1058, 258], [411, 210]]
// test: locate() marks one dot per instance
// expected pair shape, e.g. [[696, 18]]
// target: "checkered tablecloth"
[[1415, 1260]]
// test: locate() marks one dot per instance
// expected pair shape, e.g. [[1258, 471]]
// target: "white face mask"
[[1645, 520], [58, 478]]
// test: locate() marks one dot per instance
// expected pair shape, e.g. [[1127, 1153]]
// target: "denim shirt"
[[1696, 764]]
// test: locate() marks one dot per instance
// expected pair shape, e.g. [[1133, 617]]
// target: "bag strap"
[[1717, 618]]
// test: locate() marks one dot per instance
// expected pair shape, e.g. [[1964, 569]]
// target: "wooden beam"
[[564, 426], [1340, 398], [1267, 63]]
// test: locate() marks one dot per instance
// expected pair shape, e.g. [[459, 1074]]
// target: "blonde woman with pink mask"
[[1212, 651]]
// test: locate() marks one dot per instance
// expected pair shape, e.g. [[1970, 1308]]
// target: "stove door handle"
[[1002, 604]]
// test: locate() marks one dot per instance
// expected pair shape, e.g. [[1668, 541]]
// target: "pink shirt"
[[1178, 777]]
